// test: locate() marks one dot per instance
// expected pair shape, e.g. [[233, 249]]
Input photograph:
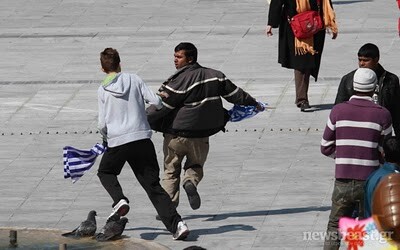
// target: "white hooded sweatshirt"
[[122, 115]]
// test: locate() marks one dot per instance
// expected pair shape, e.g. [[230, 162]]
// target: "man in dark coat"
[[305, 60], [387, 92], [192, 112]]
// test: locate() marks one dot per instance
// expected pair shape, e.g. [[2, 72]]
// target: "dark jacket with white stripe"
[[194, 106]]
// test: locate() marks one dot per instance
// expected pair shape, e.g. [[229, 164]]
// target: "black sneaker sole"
[[193, 195]]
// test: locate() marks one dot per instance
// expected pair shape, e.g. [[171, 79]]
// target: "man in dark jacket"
[[387, 92], [192, 112]]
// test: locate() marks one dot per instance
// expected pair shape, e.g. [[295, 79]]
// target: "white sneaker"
[[182, 231], [121, 208]]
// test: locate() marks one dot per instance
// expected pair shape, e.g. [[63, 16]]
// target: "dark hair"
[[369, 50], [110, 60], [194, 248], [391, 148], [190, 50]]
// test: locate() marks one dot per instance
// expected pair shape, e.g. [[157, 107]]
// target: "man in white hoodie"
[[124, 127]]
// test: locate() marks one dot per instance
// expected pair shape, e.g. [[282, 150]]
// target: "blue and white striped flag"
[[239, 112], [77, 162]]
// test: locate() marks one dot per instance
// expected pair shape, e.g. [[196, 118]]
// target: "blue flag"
[[239, 112], [77, 162]]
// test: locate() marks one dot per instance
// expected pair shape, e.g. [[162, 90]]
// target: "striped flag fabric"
[[77, 162], [240, 112]]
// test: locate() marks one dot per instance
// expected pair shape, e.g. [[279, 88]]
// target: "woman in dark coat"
[[303, 55]]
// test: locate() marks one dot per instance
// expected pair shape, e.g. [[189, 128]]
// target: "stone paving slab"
[[266, 184]]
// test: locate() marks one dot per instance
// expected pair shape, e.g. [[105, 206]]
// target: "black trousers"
[[142, 158]]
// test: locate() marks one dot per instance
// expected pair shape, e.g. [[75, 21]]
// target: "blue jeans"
[[347, 196]]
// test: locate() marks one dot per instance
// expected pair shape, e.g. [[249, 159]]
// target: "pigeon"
[[86, 228], [113, 228]]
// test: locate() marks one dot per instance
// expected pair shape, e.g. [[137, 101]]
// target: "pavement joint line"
[[245, 130]]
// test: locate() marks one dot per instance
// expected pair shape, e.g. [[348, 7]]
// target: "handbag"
[[307, 23]]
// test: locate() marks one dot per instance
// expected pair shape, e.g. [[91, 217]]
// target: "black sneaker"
[[193, 195]]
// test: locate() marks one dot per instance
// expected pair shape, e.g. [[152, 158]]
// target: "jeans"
[[142, 158], [347, 196]]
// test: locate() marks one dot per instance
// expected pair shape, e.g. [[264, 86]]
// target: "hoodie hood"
[[114, 84]]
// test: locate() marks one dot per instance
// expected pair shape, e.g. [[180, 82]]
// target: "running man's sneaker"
[[121, 208], [182, 231], [193, 195]]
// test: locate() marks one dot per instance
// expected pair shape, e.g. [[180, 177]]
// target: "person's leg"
[[198, 149], [302, 82], [196, 156], [174, 153], [359, 197], [342, 205], [143, 161], [110, 167]]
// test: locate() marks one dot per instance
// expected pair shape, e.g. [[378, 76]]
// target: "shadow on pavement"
[[195, 233], [320, 107], [217, 217]]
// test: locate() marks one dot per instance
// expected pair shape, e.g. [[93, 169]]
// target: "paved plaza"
[[266, 184]]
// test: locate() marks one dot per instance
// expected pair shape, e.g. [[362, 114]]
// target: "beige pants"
[[175, 149]]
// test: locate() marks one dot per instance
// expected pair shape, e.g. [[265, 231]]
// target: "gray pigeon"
[[113, 228], [86, 228]]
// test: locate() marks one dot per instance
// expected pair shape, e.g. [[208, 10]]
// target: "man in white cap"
[[353, 137]]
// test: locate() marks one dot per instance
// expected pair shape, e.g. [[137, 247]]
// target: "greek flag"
[[77, 162], [239, 112]]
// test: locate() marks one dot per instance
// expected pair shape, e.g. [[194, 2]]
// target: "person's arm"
[[149, 96], [233, 94], [154, 114], [274, 16], [328, 141], [170, 102], [101, 125], [343, 92], [275, 13], [386, 131], [334, 30], [395, 105]]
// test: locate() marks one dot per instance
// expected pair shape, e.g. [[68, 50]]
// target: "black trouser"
[[142, 158]]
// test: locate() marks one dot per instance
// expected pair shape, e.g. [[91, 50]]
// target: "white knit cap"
[[364, 80]]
